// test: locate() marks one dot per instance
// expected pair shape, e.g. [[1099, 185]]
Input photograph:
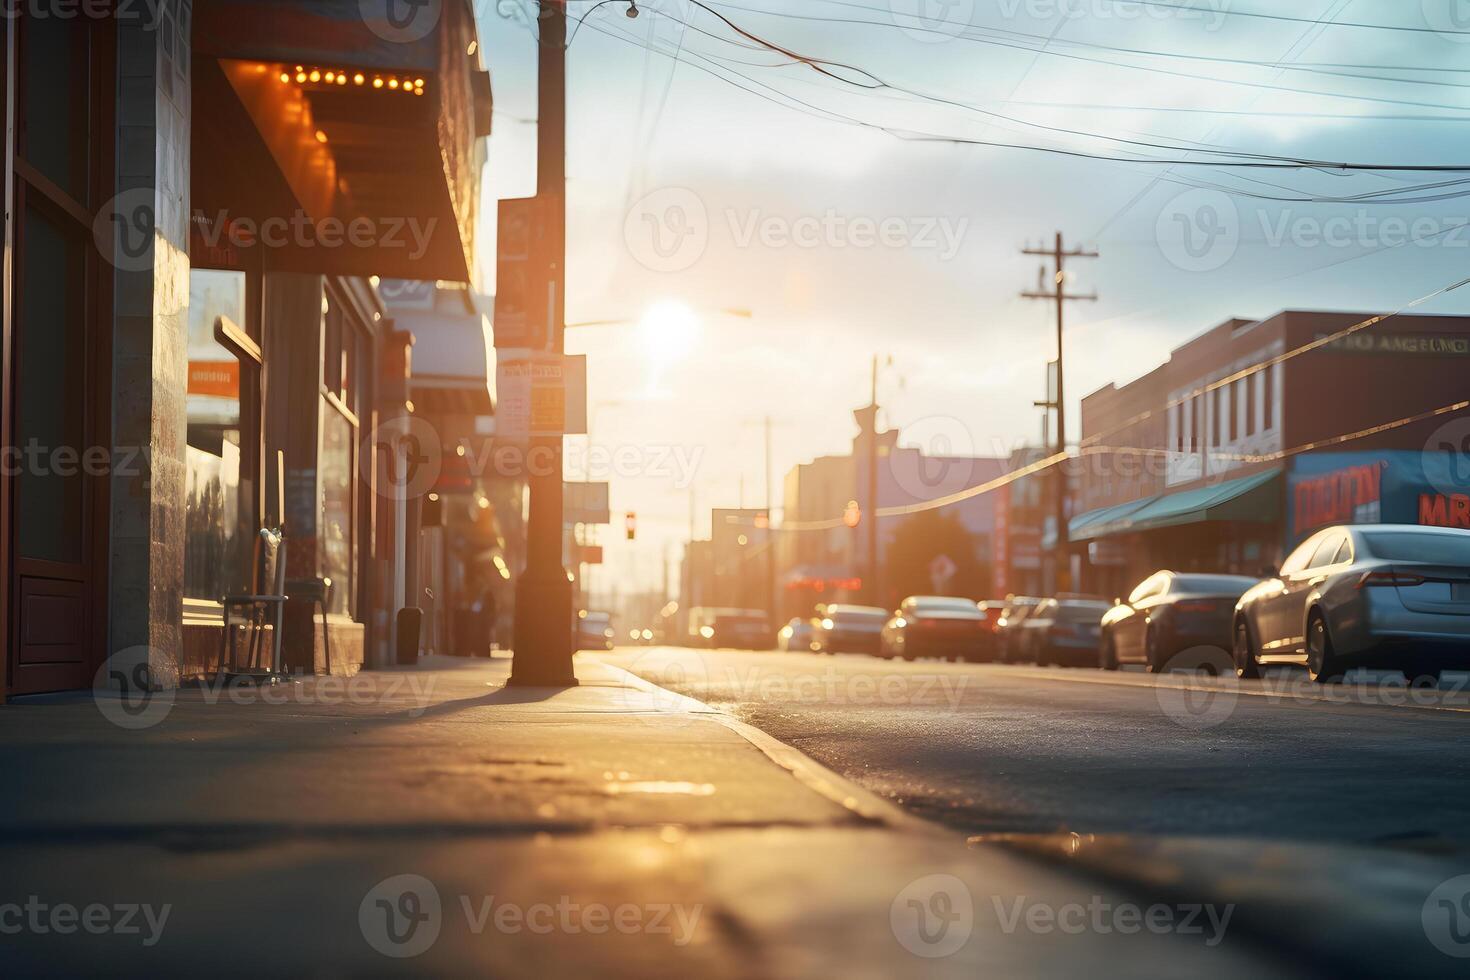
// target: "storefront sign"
[[1419, 345], [821, 585], [1353, 495], [217, 379], [407, 294], [1445, 510], [1393, 486]]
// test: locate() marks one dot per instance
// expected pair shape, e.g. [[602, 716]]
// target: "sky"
[[708, 173]]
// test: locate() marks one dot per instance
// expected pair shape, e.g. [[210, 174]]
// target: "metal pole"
[[873, 589], [543, 624], [772, 593]]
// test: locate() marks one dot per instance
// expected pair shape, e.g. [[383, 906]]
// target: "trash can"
[[410, 629]]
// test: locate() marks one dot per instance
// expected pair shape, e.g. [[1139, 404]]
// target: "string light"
[[339, 76]]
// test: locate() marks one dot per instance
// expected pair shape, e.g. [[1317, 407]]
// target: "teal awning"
[[1253, 499], [1105, 520]]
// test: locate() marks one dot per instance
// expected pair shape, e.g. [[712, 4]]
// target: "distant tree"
[[917, 543]]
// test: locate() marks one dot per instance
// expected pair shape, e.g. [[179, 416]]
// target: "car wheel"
[[1322, 664], [1152, 653], [1247, 667], [1108, 659]]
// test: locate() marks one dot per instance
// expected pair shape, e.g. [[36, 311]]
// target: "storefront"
[[1231, 527], [1387, 487], [193, 340]]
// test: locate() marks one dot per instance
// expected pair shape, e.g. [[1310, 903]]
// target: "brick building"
[[1197, 465]]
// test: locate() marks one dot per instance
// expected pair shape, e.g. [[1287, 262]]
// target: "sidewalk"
[[609, 830]]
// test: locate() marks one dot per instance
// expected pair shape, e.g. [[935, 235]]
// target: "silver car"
[[1386, 596]]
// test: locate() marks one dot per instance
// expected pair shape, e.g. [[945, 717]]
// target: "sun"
[[668, 333]]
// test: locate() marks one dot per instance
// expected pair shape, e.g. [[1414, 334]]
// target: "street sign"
[[524, 303], [941, 570], [536, 399]]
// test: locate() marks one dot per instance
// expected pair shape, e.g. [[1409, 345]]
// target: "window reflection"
[[219, 492]]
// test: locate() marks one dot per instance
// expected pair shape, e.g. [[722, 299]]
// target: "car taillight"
[[1397, 579]]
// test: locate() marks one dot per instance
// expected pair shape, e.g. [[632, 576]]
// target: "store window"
[[222, 465], [342, 348]]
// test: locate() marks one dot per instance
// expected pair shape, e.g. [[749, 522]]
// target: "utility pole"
[[867, 419], [543, 625], [773, 593], [1059, 255]]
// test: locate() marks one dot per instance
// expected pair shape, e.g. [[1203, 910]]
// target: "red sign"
[[825, 585], [1445, 509], [219, 379], [1001, 559], [1334, 498]]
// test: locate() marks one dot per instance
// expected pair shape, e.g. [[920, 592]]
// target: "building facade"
[[201, 198], [824, 558], [1230, 453]]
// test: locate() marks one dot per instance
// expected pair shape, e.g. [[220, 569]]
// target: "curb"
[[861, 802]]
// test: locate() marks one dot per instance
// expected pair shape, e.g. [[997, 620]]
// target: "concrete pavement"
[[431, 821]]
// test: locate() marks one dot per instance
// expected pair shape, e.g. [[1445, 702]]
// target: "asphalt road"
[[1009, 749]]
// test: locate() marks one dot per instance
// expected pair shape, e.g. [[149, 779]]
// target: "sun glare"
[[668, 333]]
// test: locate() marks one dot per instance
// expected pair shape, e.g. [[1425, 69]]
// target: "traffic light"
[[631, 524]]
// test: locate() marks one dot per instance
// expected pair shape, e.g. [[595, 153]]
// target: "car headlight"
[[707, 632], [826, 624]]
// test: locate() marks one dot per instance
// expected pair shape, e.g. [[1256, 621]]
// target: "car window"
[[1298, 559], [1150, 586], [1326, 552], [1235, 585], [1344, 552], [1437, 547]]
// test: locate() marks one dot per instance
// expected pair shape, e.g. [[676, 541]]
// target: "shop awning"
[[340, 143], [453, 362], [1254, 499], [1105, 520]]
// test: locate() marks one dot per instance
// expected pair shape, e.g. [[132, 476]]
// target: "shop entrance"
[[57, 320]]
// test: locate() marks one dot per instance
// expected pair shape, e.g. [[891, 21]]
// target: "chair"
[[255, 610], [317, 591]]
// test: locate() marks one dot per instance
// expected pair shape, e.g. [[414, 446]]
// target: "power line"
[[1249, 160]]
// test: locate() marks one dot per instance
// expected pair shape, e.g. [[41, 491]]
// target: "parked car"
[[935, 626], [736, 629], [1063, 632], [992, 610], [849, 629], [594, 630], [1012, 615], [1167, 614], [1385, 596], [796, 636]]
